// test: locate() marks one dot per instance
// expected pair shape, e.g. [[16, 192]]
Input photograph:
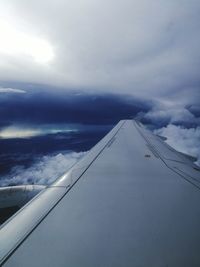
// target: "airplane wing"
[[131, 201]]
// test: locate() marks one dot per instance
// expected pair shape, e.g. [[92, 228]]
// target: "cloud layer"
[[163, 114], [182, 139], [12, 90], [53, 106], [136, 46], [45, 171]]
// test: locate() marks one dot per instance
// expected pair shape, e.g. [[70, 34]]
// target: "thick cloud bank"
[[41, 105], [45, 171], [135, 46], [182, 139], [162, 114]]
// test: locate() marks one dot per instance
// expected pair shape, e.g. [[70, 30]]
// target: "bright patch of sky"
[[12, 132], [15, 42], [12, 90]]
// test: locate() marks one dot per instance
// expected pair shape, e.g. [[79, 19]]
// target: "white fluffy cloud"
[[45, 171], [138, 46], [182, 139], [171, 113]]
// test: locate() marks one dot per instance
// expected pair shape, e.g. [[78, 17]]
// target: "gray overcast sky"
[[143, 47]]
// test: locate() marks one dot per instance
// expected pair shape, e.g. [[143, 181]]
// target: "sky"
[[70, 70], [132, 46]]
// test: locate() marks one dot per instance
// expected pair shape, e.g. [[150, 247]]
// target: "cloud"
[[19, 131], [12, 90], [40, 106], [15, 41], [45, 171], [98, 49], [178, 122], [182, 139], [140, 47], [194, 109], [166, 113]]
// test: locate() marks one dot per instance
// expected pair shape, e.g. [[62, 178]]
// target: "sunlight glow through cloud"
[[13, 132], [12, 90], [14, 43]]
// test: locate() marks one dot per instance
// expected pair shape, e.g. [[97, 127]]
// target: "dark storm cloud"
[[58, 106], [3, 124], [194, 109]]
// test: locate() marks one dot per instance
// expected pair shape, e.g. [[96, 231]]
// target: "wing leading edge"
[[131, 201]]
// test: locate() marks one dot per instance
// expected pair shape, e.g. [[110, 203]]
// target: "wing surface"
[[131, 201]]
